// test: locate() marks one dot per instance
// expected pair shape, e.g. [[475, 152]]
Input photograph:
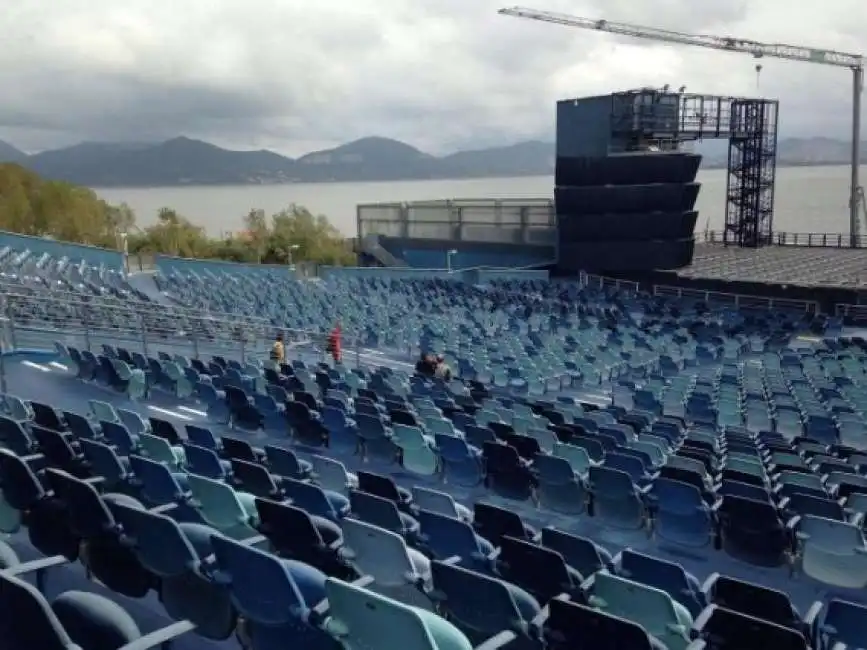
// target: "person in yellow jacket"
[[278, 351]]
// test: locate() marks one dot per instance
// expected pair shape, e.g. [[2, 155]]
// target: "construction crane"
[[855, 62]]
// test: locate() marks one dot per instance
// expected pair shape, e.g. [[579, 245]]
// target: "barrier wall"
[[469, 276], [91, 254], [166, 264], [435, 253]]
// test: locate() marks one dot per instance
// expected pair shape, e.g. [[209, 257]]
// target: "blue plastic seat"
[[752, 531], [295, 534], [104, 554], [381, 512], [560, 488], [752, 599], [616, 499], [671, 578], [679, 513], [481, 606], [493, 523], [315, 500], [461, 463], [177, 553], [275, 596], [725, 629], [570, 626], [582, 554], [837, 622], [49, 529], [539, 570], [74, 620], [444, 537]]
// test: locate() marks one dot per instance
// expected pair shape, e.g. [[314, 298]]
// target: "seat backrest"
[[159, 544], [570, 626], [360, 619], [330, 473], [89, 516], [28, 620], [725, 628], [749, 598], [376, 551], [444, 536], [219, 505], [475, 601], [650, 607], [262, 588], [375, 510], [434, 501], [286, 526], [553, 470], [493, 522], [848, 621], [378, 485], [580, 553], [539, 570], [832, 535]]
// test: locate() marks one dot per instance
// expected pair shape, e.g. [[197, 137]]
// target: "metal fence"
[[37, 322], [735, 300], [802, 239]]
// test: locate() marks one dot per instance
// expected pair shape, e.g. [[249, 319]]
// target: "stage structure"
[[648, 118]]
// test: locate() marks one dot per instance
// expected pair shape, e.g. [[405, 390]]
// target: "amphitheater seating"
[[606, 470], [756, 466]]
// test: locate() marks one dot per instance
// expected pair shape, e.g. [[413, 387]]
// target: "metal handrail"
[[236, 339], [796, 239], [16, 290]]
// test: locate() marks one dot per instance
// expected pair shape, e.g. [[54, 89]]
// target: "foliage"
[[30, 205]]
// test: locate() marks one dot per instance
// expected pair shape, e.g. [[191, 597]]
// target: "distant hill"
[[9, 154], [184, 161]]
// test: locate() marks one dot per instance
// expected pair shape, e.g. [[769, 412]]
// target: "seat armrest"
[[161, 637], [36, 565]]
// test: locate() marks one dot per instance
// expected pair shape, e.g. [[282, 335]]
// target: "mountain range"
[[184, 161]]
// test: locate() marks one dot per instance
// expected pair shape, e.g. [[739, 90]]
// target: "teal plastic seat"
[[159, 449], [10, 518], [361, 619], [398, 571], [331, 474], [221, 507], [418, 454], [577, 456], [653, 609], [183, 387], [103, 411]]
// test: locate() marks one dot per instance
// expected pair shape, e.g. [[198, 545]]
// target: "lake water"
[[808, 199]]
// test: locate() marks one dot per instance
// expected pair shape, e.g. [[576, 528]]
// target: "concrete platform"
[[785, 265]]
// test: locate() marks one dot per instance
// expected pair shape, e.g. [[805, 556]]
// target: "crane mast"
[[756, 49]]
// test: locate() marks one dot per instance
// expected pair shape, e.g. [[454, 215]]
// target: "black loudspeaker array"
[[626, 212]]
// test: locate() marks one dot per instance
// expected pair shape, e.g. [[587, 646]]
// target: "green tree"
[[33, 206]]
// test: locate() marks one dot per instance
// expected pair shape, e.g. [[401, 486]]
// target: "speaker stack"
[[626, 212]]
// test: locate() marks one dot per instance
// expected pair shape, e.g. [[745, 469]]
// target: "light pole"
[[449, 259], [293, 247]]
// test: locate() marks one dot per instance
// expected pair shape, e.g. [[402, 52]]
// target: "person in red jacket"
[[333, 345]]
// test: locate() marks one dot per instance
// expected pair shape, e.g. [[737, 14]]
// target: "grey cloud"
[[438, 74]]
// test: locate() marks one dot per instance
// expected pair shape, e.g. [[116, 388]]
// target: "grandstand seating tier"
[[607, 469]]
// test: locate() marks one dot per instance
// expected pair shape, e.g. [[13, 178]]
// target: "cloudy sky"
[[440, 74]]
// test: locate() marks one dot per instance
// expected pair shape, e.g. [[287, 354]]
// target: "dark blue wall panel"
[[625, 199]]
